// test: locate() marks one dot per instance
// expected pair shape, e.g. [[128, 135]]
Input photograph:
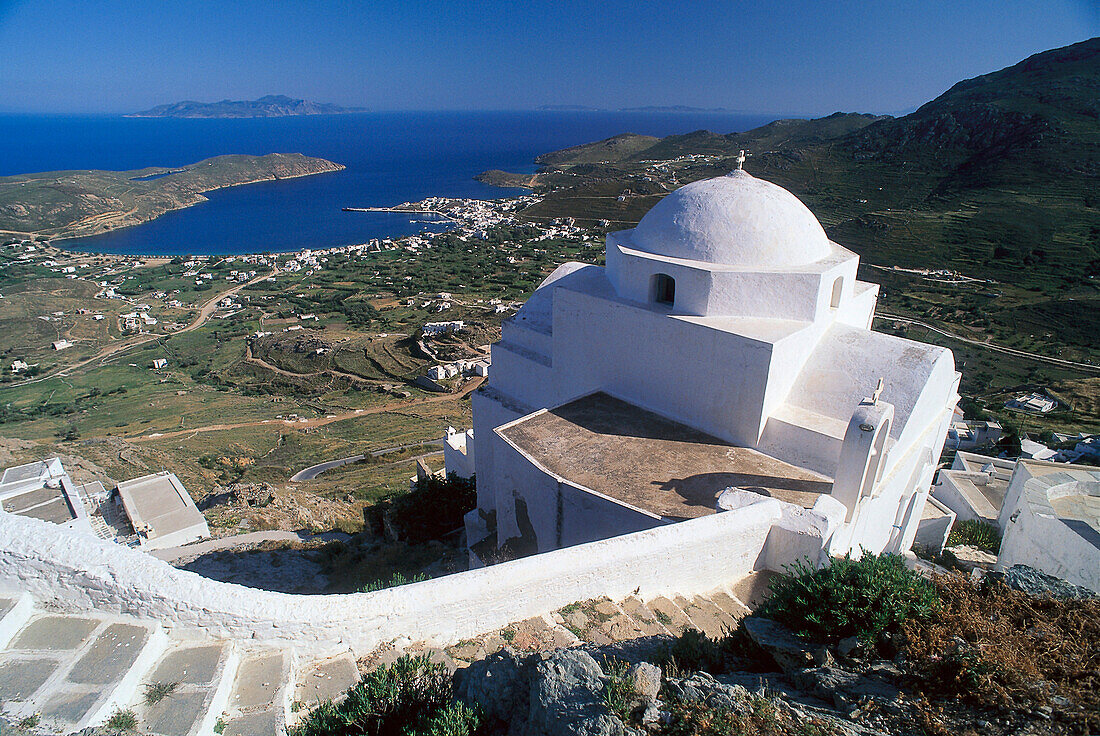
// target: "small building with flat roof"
[[162, 511], [43, 490]]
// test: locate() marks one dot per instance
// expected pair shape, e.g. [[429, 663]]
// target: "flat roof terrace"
[[48, 504], [633, 455]]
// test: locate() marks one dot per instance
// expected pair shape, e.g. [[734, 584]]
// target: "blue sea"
[[390, 157]]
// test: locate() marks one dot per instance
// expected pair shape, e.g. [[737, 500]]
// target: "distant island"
[[70, 204], [271, 106]]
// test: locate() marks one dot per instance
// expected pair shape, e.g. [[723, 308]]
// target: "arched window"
[[838, 289], [664, 289]]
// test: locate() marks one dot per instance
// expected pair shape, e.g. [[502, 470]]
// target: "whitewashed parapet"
[[80, 571]]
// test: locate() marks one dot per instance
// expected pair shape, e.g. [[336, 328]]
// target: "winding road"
[[314, 470], [206, 311], [991, 346]]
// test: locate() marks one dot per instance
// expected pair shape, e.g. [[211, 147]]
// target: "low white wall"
[[80, 571], [1034, 535]]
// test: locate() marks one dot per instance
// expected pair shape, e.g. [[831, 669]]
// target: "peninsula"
[[269, 106], [70, 204]]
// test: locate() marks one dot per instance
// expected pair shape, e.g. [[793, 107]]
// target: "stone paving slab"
[[69, 707], [327, 680], [54, 633], [111, 655], [259, 680], [175, 715], [20, 678], [265, 723], [198, 665], [198, 669]]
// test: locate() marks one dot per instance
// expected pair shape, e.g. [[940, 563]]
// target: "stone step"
[[707, 617], [260, 701], [202, 673], [732, 607], [75, 671], [669, 615], [645, 618], [752, 590]]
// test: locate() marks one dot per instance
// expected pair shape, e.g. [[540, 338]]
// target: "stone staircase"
[[78, 670], [599, 622]]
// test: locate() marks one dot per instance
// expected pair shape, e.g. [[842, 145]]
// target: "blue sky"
[[781, 56]]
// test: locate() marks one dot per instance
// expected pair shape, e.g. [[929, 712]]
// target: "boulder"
[[969, 558], [850, 647], [498, 683], [566, 698], [789, 652], [646, 679], [1038, 583]]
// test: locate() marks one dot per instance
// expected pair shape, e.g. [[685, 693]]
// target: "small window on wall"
[[838, 289], [664, 289]]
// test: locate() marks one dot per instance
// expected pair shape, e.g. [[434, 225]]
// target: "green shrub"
[[411, 697], [434, 509], [974, 533], [395, 580], [692, 651], [866, 598], [618, 691], [122, 720]]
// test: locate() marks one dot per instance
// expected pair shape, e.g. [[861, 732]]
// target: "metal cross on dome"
[[741, 160]]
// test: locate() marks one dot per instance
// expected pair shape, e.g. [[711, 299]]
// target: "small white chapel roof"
[[733, 220]]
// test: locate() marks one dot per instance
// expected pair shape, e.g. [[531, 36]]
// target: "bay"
[[391, 157]]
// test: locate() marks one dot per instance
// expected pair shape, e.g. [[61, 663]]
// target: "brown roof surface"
[[664, 467]]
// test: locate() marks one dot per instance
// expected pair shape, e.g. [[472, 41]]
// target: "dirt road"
[[319, 421], [206, 311]]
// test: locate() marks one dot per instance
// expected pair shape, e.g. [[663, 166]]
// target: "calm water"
[[390, 158]]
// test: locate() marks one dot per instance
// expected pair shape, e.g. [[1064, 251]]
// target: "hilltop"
[[270, 106], [69, 204]]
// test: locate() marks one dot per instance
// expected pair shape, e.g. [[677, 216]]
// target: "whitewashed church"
[[725, 352]]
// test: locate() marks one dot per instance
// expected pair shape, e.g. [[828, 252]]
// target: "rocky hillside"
[[65, 204]]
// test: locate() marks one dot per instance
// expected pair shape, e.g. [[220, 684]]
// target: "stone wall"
[[80, 572]]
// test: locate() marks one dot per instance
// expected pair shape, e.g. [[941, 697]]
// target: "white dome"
[[735, 220]]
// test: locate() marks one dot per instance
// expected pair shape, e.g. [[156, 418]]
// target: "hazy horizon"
[[794, 58]]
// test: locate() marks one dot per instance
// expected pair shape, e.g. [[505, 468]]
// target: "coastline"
[[148, 198]]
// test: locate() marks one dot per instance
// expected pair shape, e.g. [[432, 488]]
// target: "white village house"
[[726, 345]]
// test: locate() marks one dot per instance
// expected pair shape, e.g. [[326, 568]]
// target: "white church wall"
[[858, 309], [705, 378], [513, 332], [488, 413], [631, 274], [82, 572], [777, 295], [587, 516], [537, 507]]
